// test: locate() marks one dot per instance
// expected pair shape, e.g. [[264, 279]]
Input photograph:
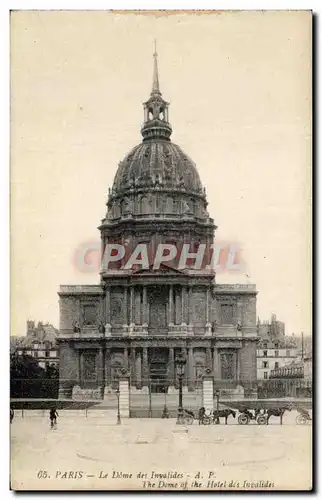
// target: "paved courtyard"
[[91, 451]]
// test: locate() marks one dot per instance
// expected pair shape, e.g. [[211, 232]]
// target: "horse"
[[276, 412], [217, 414]]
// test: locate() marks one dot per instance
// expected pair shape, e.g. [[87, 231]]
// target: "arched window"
[[125, 207], [145, 205], [169, 205]]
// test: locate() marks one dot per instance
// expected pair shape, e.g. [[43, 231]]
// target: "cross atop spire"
[[155, 84]]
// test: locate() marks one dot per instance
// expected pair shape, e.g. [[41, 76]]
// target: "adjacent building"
[[273, 354], [272, 328], [39, 343]]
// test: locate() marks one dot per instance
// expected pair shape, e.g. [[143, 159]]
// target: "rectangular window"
[[276, 354], [227, 366], [265, 375], [227, 314], [265, 364], [89, 314], [265, 354], [276, 365]]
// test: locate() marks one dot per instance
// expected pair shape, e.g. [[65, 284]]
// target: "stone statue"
[[213, 326], [76, 327], [239, 326], [101, 327], [186, 208]]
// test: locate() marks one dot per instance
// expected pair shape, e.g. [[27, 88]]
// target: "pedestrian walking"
[[53, 418]]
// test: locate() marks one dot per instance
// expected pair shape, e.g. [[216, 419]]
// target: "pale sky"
[[239, 85]]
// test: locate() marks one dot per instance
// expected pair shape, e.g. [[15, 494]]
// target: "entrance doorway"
[[159, 370]]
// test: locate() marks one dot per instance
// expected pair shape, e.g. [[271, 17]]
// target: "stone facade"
[[139, 319]]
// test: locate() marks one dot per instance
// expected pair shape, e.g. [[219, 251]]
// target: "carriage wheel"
[[243, 419], [261, 420], [301, 420], [206, 421], [188, 420]]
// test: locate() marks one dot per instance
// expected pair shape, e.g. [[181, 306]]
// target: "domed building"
[[153, 301]]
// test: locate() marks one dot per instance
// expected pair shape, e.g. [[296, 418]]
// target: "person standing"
[[53, 418]]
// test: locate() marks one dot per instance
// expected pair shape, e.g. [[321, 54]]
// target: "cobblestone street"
[[94, 452]]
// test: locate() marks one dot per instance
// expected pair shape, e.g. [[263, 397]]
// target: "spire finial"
[[155, 84]]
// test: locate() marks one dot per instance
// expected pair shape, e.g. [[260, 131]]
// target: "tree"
[[29, 380]]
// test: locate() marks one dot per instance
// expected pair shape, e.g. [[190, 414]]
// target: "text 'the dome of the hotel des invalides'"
[[140, 318]]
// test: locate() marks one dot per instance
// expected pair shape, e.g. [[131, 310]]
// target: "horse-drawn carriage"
[[303, 417], [260, 411], [249, 411], [207, 418]]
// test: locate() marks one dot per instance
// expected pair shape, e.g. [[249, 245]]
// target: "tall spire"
[[156, 116], [155, 84]]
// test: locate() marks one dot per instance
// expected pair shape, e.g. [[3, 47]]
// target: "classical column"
[[138, 319], [108, 305], [171, 371], [132, 366], [190, 369], [145, 306], [80, 364], [216, 365], [126, 358], [207, 305], [131, 319], [208, 324], [145, 367], [239, 312], [100, 368], [138, 370], [238, 366], [125, 305], [183, 293], [170, 320], [178, 308], [108, 368], [209, 361], [190, 305]]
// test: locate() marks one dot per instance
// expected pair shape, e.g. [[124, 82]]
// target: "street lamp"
[[118, 421], [217, 394], [150, 398], [180, 364]]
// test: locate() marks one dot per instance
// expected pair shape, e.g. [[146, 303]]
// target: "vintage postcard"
[[161, 334]]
